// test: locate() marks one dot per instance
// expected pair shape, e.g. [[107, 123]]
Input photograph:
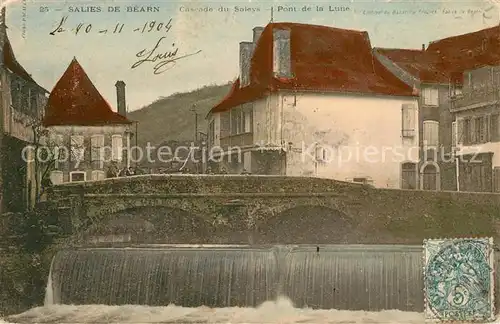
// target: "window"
[[241, 120], [60, 150], [25, 98], [33, 102], [248, 119], [496, 179], [225, 124], [281, 53], [464, 131], [431, 96], [15, 92], [116, 147], [454, 134], [494, 129], [98, 175], [77, 148], [56, 177], [409, 175], [236, 121], [321, 154], [97, 144], [211, 133], [409, 120], [77, 176], [431, 133]]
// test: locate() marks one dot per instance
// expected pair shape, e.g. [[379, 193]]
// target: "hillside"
[[172, 119]]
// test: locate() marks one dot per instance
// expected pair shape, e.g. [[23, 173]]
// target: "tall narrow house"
[[21, 108], [90, 135]]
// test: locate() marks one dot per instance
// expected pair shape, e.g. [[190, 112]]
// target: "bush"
[[23, 266]]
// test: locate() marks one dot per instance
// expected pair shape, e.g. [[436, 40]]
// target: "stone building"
[[91, 139], [421, 70], [21, 102], [456, 80], [308, 100]]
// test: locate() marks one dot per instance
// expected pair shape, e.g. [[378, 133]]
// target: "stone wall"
[[269, 210]]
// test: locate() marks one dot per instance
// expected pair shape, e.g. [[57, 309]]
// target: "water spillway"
[[325, 277]]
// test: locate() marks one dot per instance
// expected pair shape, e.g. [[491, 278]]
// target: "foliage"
[[175, 111], [24, 266]]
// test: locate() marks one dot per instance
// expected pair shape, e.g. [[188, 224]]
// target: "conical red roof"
[[76, 101]]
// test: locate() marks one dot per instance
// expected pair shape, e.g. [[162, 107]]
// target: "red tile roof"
[[420, 64], [76, 101], [322, 59], [448, 58]]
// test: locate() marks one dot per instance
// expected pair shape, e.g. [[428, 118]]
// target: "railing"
[[240, 140], [479, 97]]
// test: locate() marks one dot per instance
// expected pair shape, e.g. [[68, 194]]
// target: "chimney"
[[120, 98], [282, 66], [257, 31], [423, 47], [246, 52]]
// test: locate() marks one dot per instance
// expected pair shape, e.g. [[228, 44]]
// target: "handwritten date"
[[86, 28], [161, 60]]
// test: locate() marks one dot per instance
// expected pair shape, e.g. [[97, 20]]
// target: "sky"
[[208, 39]]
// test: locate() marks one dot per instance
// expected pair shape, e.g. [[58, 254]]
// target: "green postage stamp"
[[459, 280]]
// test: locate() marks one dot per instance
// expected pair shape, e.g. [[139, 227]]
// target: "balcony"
[[475, 98], [239, 140]]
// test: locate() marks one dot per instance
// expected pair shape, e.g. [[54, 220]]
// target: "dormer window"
[[282, 67]]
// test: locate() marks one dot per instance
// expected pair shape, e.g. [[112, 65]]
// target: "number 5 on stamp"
[[459, 280]]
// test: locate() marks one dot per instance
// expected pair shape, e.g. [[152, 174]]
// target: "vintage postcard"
[[249, 161]]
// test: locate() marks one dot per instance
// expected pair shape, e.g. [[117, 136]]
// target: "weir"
[[351, 277]]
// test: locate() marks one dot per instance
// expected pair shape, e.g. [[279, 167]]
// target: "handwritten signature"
[[163, 61]]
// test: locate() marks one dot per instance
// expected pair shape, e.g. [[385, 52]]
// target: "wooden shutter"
[[408, 120], [460, 131], [494, 127], [496, 179], [472, 132]]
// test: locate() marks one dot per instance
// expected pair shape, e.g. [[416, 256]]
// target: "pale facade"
[[86, 152], [342, 137], [348, 131]]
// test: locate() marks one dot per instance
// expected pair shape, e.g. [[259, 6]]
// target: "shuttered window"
[[454, 134], [431, 133], [116, 147], [97, 144], [431, 96], [77, 148], [225, 124], [496, 179], [494, 129], [408, 120]]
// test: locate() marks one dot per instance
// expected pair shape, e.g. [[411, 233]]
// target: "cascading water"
[[340, 277], [49, 291], [188, 277]]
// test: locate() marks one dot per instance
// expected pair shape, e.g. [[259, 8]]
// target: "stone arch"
[[151, 223], [430, 178], [307, 224]]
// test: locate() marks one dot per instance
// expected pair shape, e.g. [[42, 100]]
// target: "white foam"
[[280, 311]]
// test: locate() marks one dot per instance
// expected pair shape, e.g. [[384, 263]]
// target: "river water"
[[280, 311]]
